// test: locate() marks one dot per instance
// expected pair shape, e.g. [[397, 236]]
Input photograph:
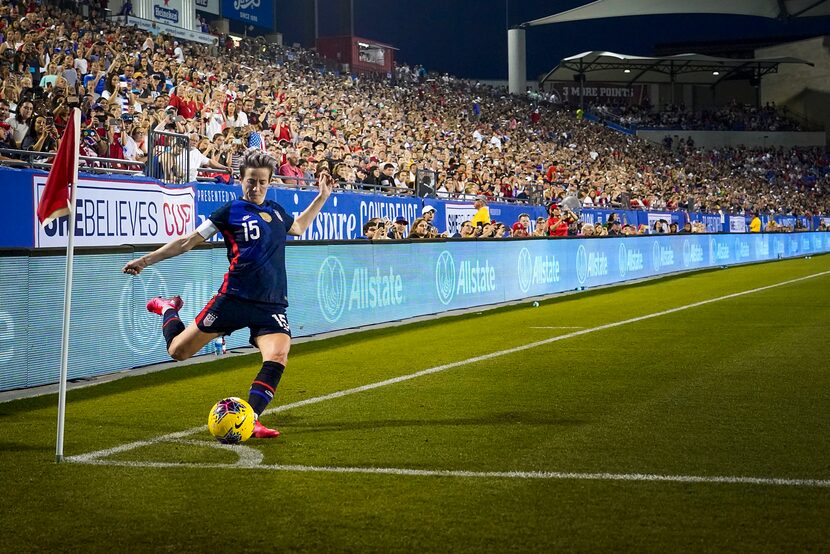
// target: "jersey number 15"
[[251, 229]]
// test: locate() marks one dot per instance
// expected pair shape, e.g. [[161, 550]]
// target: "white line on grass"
[[551, 475], [556, 327], [98, 454]]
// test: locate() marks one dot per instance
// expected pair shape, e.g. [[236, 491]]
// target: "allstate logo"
[[525, 270], [655, 256], [139, 328], [331, 289], [581, 264], [687, 253], [623, 260], [445, 277]]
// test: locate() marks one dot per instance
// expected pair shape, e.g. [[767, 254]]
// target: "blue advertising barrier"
[[331, 286], [250, 12], [342, 216]]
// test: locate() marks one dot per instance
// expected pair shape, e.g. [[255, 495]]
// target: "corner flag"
[[58, 199], [54, 202]]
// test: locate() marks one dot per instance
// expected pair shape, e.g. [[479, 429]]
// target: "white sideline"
[[551, 475], [95, 457], [571, 327]]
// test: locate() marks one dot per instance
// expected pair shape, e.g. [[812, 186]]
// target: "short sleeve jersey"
[[255, 237]]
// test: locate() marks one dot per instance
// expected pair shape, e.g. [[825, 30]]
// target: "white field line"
[[98, 454], [556, 327], [550, 475]]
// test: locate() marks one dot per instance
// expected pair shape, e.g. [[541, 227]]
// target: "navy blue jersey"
[[255, 237]]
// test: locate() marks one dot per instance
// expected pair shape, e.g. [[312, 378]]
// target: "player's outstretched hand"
[[326, 183], [134, 267]]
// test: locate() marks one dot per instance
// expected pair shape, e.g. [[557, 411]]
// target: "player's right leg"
[[182, 343]]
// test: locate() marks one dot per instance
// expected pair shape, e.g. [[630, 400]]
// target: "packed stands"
[[370, 132], [732, 117]]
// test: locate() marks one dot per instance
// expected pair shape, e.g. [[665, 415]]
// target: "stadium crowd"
[[731, 117], [369, 131]]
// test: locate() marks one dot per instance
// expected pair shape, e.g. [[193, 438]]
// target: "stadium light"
[[716, 73]]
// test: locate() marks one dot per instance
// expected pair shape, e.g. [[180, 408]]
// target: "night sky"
[[469, 39]]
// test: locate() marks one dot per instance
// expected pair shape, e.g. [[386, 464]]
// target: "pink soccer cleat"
[[263, 432], [159, 305]]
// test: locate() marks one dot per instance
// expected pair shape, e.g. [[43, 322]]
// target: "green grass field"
[[622, 438]]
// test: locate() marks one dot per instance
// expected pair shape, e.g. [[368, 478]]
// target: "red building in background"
[[362, 55]]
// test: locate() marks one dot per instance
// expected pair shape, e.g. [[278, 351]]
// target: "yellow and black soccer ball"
[[231, 420]]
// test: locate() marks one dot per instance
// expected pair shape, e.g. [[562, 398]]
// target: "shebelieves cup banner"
[[111, 213]]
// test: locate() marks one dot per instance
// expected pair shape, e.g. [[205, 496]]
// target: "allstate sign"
[[370, 288], [255, 12], [445, 277], [533, 271], [591, 264], [331, 289]]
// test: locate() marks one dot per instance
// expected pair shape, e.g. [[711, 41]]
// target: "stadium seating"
[[370, 131]]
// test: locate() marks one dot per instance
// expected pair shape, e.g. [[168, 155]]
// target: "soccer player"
[[254, 292]]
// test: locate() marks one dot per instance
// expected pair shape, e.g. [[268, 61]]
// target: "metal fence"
[[168, 161], [89, 164], [168, 157]]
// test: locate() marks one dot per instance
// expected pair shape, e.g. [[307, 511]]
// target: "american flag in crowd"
[[255, 141]]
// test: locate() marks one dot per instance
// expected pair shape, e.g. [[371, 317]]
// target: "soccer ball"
[[231, 421]]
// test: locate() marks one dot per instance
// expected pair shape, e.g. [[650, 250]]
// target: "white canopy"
[[601, 9], [610, 67]]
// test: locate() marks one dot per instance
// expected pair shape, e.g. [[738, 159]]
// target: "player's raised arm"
[[325, 182], [169, 250]]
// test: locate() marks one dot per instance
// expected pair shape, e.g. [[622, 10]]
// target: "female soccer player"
[[254, 292]]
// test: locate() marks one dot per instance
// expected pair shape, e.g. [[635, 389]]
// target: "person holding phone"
[[42, 137], [115, 92], [21, 121]]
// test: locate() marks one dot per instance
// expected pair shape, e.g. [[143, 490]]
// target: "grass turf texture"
[[733, 388]]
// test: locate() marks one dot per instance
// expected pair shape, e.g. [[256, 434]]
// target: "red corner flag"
[[54, 202]]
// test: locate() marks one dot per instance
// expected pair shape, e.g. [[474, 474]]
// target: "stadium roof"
[[776, 9], [610, 67]]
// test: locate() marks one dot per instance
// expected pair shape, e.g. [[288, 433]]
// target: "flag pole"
[[67, 295]]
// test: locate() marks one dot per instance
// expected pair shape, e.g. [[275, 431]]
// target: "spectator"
[[5, 133], [42, 137], [557, 226], [234, 118], [291, 169], [20, 122], [386, 179], [521, 228], [419, 229], [482, 214], [369, 229], [428, 215], [197, 159], [755, 224], [398, 230], [466, 231]]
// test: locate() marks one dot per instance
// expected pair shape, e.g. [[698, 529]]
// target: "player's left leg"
[[274, 348]]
